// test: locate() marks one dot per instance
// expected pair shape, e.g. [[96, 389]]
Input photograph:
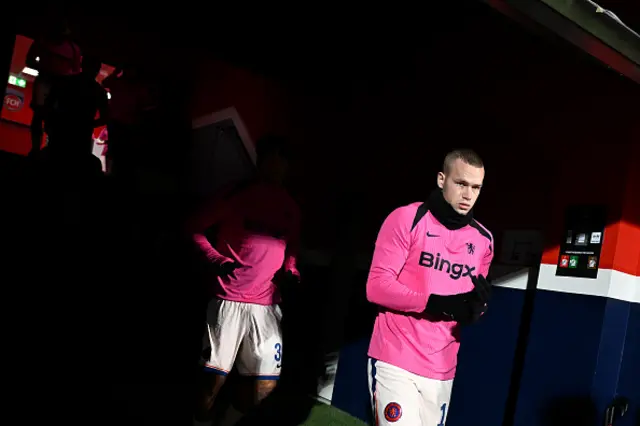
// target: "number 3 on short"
[[444, 412], [278, 348]]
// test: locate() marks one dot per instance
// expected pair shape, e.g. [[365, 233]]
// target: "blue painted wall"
[[485, 361], [610, 355], [561, 357], [629, 382], [351, 388]]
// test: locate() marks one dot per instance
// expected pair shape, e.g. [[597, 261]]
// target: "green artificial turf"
[[326, 415]]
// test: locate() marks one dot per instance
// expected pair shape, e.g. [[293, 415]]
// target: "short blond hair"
[[468, 156]]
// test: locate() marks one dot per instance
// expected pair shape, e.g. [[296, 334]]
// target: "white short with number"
[[244, 334], [399, 397]]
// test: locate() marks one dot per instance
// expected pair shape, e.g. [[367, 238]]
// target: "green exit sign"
[[20, 82]]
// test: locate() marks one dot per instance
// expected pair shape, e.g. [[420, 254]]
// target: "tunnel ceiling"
[[280, 43], [284, 43]]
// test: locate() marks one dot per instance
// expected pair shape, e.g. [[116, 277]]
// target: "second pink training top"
[[258, 228]]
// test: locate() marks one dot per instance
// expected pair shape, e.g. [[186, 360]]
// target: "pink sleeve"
[[486, 260], [212, 254], [293, 245], [211, 215], [391, 253]]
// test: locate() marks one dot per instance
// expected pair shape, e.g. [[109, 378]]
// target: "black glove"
[[464, 308], [286, 279], [227, 269], [481, 287]]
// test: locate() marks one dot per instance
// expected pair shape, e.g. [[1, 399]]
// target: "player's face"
[[461, 185]]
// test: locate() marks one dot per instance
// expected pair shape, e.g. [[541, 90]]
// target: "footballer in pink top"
[[428, 278], [255, 247]]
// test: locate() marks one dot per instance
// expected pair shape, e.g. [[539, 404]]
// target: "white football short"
[[403, 398], [244, 334]]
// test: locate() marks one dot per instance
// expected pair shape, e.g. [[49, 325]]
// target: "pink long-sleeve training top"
[[409, 265], [258, 229]]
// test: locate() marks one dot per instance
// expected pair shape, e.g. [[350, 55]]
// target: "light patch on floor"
[[325, 387]]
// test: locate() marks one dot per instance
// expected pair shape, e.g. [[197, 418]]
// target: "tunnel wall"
[[582, 341]]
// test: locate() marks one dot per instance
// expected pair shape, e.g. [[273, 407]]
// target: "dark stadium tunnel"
[[373, 126]]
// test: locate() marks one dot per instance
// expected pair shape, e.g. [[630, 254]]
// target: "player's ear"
[[440, 180]]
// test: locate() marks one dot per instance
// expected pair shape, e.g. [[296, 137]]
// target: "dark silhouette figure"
[[71, 108], [55, 56], [70, 117], [130, 100]]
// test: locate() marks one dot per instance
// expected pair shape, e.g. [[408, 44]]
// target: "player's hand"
[[464, 308], [482, 287], [287, 278], [227, 269], [292, 278], [478, 309]]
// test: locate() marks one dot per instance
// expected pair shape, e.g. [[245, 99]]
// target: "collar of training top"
[[445, 214]]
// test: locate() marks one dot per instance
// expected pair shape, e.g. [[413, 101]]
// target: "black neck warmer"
[[445, 214]]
